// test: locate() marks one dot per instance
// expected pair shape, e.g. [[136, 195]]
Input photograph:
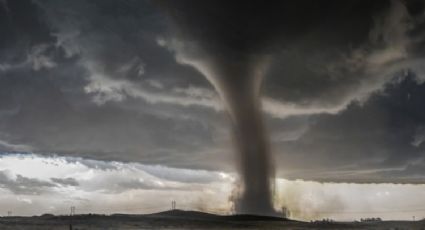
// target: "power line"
[[72, 211], [153, 208], [366, 212], [214, 211]]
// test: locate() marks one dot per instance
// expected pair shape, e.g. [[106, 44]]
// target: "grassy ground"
[[187, 220]]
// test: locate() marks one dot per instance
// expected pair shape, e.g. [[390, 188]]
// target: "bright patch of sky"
[[32, 185]]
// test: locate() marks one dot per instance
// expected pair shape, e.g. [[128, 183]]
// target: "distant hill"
[[208, 216]]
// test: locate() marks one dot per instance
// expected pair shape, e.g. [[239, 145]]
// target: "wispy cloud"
[[7, 146], [37, 58]]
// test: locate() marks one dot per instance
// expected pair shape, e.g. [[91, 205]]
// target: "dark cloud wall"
[[382, 134], [91, 79], [49, 109], [261, 25]]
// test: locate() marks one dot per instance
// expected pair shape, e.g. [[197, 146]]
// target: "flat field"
[[178, 219]]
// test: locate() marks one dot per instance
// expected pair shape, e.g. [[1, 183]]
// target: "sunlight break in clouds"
[[53, 184]]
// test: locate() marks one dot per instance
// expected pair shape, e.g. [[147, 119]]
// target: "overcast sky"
[[100, 106]]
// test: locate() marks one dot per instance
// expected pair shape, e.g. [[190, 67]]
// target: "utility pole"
[[173, 205], [9, 213], [72, 211]]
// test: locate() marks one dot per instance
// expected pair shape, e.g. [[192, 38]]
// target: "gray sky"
[[109, 81]]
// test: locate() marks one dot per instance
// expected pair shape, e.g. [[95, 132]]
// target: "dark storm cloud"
[[377, 141], [346, 56], [91, 164], [344, 60], [232, 45], [65, 181], [184, 175], [117, 44], [261, 25], [48, 107], [92, 79], [23, 185]]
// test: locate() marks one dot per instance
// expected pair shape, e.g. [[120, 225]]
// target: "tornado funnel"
[[228, 43]]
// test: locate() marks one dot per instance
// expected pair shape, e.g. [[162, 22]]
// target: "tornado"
[[238, 81], [212, 40], [240, 89], [229, 43]]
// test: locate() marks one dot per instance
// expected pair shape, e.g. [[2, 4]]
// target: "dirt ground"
[[186, 220]]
